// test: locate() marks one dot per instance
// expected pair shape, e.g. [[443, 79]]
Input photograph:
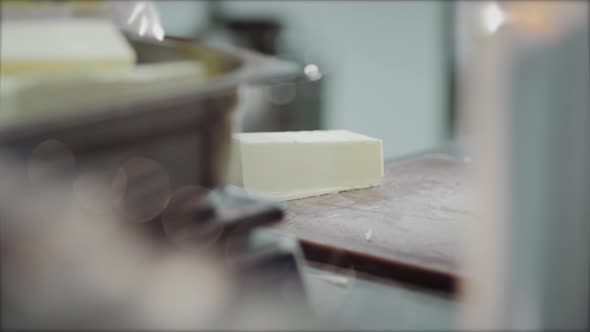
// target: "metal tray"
[[160, 145], [187, 132]]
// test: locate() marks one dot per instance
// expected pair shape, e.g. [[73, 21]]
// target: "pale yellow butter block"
[[298, 164], [23, 98], [62, 45]]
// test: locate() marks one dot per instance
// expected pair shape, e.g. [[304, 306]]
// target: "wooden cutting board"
[[415, 217]]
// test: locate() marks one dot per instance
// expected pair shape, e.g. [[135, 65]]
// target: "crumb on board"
[[335, 280], [369, 235]]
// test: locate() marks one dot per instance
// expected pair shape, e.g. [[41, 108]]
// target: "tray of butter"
[[54, 68], [106, 97]]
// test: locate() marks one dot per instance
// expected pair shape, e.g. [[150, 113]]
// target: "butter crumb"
[[336, 280], [369, 235]]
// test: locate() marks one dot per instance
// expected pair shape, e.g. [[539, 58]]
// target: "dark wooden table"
[[415, 217]]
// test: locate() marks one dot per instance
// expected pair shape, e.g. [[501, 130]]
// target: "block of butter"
[[298, 164], [32, 96], [62, 45]]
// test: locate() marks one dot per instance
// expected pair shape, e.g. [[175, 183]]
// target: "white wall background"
[[182, 18], [383, 62]]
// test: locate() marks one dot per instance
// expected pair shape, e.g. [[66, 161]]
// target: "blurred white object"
[[138, 18], [527, 253], [493, 17]]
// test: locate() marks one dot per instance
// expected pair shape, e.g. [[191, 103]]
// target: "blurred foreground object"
[[527, 251], [64, 266], [115, 201], [137, 18], [147, 134], [174, 108], [69, 262]]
